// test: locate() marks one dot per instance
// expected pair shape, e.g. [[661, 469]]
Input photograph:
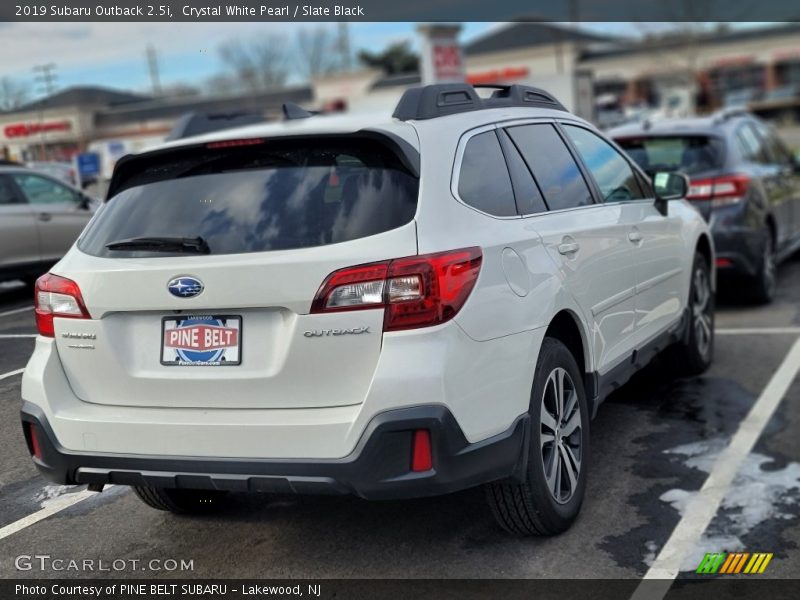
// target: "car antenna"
[[292, 111]]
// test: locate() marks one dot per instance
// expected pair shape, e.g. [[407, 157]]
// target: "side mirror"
[[669, 185], [84, 201]]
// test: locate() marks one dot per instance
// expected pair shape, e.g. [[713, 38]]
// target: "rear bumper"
[[378, 467], [738, 250]]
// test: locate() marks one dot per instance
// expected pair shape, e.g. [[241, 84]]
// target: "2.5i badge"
[[201, 340]]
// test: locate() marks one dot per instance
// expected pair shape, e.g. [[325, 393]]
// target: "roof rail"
[[439, 100]]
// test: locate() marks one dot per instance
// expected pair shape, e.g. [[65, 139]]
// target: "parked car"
[[40, 218], [745, 183], [62, 171], [388, 307]]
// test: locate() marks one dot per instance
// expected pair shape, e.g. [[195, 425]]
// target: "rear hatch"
[[199, 275], [701, 157]]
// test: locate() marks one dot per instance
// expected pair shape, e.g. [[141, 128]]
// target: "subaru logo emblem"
[[185, 287]]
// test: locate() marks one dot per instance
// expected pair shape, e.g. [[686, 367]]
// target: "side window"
[[41, 190], [7, 193], [483, 181], [750, 145], [529, 198], [775, 150], [614, 176], [552, 165]]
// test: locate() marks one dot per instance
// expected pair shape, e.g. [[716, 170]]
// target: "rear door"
[[224, 321], [789, 179], [19, 239], [772, 177], [61, 212], [588, 241], [655, 239]]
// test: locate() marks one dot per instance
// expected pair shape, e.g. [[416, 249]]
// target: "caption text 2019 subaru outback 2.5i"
[[393, 308]]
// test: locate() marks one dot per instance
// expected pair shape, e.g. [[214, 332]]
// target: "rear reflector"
[[421, 457], [416, 291], [36, 448], [723, 262], [56, 297]]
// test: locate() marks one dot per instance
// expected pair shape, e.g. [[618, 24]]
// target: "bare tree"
[[13, 93], [317, 51], [257, 64], [221, 84]]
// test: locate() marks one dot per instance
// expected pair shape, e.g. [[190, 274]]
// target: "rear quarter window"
[[687, 154], [483, 179], [277, 195]]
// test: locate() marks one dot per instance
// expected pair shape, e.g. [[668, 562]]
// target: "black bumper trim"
[[378, 468]]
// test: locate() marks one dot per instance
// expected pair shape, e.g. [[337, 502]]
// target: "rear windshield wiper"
[[162, 244]]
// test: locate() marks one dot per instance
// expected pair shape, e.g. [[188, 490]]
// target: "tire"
[[543, 506], [765, 280], [694, 354], [181, 502]]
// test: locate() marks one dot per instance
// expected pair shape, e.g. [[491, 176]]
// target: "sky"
[[113, 54]]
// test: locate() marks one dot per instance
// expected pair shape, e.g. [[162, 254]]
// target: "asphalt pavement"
[[653, 445]]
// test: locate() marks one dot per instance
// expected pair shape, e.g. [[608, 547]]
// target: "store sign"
[[498, 75], [440, 54], [786, 55], [733, 61], [447, 60], [23, 130]]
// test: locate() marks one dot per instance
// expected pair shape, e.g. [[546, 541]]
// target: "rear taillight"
[[417, 291], [56, 297], [728, 189]]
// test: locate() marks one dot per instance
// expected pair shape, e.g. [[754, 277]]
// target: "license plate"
[[201, 340]]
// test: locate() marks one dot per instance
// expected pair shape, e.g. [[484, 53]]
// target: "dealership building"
[[576, 65]]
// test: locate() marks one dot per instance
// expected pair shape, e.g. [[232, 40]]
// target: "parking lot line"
[[702, 507], [758, 331], [11, 374], [16, 310], [12, 336], [53, 507]]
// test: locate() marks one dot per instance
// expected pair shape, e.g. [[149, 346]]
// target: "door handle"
[[568, 248], [45, 216], [635, 237]]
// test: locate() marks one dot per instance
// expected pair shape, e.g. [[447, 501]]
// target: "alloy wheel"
[[560, 435], [701, 311]]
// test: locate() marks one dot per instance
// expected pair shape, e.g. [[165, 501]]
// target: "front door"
[[61, 212], [588, 241]]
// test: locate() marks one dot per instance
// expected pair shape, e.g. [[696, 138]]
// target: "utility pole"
[[45, 77], [343, 43], [152, 65]]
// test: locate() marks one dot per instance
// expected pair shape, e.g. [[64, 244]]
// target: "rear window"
[[274, 195], [688, 154]]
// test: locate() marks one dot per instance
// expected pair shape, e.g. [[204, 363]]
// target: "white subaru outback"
[[391, 308]]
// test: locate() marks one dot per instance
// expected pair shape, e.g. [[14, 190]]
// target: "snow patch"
[[51, 492], [652, 552], [755, 496]]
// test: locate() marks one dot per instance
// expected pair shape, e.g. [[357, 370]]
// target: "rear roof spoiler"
[[130, 163]]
